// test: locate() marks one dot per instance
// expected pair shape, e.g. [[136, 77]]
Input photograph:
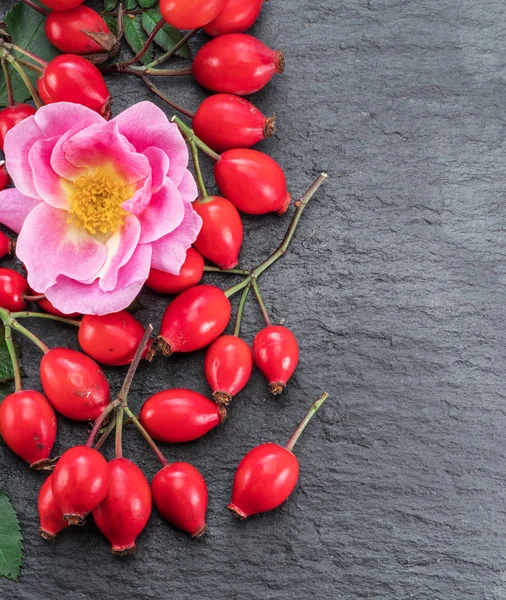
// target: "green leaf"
[[6, 372], [110, 5], [26, 27], [130, 4], [136, 36], [147, 3], [111, 23], [11, 548], [168, 36]]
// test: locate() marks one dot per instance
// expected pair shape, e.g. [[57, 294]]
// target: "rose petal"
[[159, 163], [145, 125], [49, 247], [15, 207], [71, 296], [59, 162], [164, 213], [188, 187], [47, 183], [169, 252]]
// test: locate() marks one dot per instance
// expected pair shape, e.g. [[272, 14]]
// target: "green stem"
[[98, 423], [28, 54], [39, 9], [14, 358], [146, 45], [240, 311], [260, 301], [35, 315], [191, 137], [142, 71], [166, 99], [302, 425], [8, 84], [238, 287], [198, 172], [119, 432], [173, 50], [125, 388], [208, 269], [30, 65], [146, 436], [28, 334], [26, 81], [105, 435]]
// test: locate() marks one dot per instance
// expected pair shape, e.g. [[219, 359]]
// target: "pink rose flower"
[[97, 203]]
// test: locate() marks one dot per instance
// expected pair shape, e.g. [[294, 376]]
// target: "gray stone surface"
[[395, 288]]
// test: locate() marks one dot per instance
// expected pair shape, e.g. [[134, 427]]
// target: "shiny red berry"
[[5, 245], [252, 181], [180, 494], [72, 78], [190, 14], [111, 339], [228, 366], [236, 63], [194, 319], [4, 176], [276, 354], [61, 4], [50, 514], [74, 384], [11, 116], [28, 425], [126, 508], [235, 17], [68, 30], [13, 288], [189, 276], [220, 237], [225, 121], [80, 482], [179, 415]]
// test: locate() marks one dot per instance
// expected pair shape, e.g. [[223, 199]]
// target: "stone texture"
[[395, 288]]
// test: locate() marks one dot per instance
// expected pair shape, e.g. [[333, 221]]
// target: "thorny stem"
[[105, 435], [101, 418], [209, 269], [276, 255], [302, 425], [146, 45], [191, 137], [34, 57], [8, 84], [39, 9], [146, 436], [166, 99], [198, 172], [125, 388], [14, 358], [260, 301], [240, 310], [119, 433], [36, 315], [26, 81], [173, 50]]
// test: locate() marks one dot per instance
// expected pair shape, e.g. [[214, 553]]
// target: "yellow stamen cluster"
[[96, 199]]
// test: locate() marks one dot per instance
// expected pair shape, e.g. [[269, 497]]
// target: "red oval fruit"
[[13, 288], [276, 354], [50, 514], [80, 482], [46, 306], [68, 30], [11, 116], [4, 176], [194, 319], [236, 63], [72, 78], [180, 494], [5, 245], [28, 425], [61, 4], [111, 339], [228, 367], [190, 274], [235, 17], [252, 181], [190, 14], [220, 237], [225, 121], [264, 479], [126, 508], [179, 415], [74, 384]]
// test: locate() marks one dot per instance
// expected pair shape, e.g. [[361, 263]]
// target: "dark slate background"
[[395, 288]]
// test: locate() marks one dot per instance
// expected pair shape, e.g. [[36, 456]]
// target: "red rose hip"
[[50, 514], [190, 14], [4, 179], [61, 4], [235, 17], [276, 354], [5, 245], [189, 276], [227, 366], [11, 116], [180, 494], [13, 288], [236, 63]]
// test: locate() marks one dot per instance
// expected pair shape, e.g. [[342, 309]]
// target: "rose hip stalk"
[[236, 63], [225, 121], [190, 275], [267, 475], [235, 17], [50, 514]]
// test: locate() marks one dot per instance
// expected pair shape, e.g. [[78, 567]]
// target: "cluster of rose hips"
[[117, 493]]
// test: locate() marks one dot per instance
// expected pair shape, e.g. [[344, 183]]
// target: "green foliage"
[[136, 36], [11, 548], [130, 4], [168, 36], [147, 3], [110, 5]]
